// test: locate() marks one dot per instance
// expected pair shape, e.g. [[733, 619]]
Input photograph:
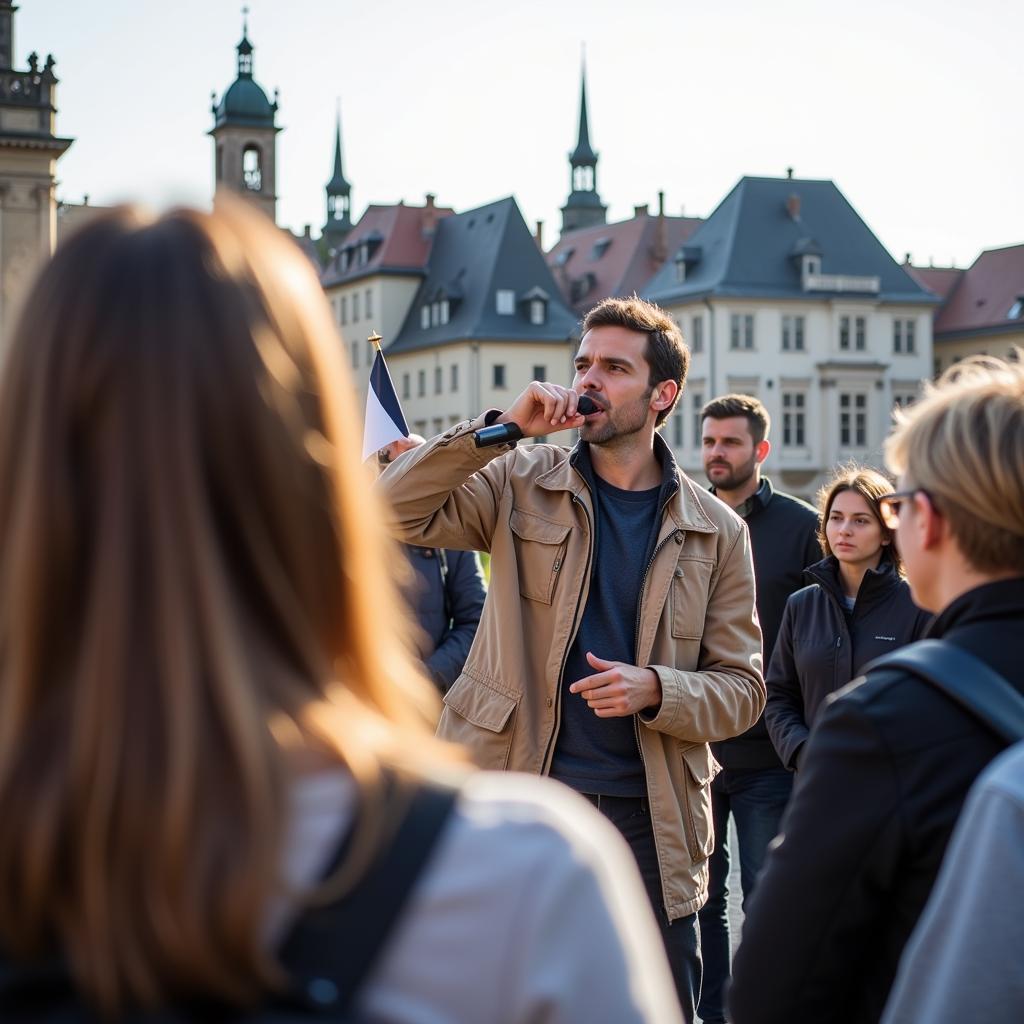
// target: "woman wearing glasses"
[[856, 608]]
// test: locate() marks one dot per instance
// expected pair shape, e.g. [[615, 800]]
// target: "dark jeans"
[[756, 800], [631, 817]]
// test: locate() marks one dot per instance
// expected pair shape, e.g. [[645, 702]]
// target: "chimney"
[[640, 211], [906, 261], [789, 172], [659, 251], [539, 235], [429, 218], [793, 206]]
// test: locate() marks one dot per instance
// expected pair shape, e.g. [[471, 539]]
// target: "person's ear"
[[761, 450], [664, 394], [933, 524]]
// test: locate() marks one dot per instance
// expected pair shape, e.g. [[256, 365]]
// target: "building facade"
[[29, 151]]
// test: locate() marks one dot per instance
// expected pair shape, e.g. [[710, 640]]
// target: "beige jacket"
[[698, 629]]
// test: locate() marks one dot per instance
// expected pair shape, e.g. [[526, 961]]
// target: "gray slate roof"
[[749, 247], [473, 256]]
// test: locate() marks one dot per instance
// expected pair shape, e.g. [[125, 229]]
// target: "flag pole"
[[375, 339]]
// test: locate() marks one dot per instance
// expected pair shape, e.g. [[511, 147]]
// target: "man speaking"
[[619, 634]]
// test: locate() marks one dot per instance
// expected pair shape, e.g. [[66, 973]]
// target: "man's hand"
[[618, 689], [543, 408]]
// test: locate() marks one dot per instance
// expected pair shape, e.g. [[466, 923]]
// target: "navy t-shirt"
[[600, 755]]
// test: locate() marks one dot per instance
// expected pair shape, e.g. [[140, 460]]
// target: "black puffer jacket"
[[821, 646]]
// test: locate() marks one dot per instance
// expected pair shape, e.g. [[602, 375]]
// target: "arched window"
[[252, 168], [584, 179]]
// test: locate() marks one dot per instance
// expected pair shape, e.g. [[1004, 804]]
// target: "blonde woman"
[[211, 730], [856, 607]]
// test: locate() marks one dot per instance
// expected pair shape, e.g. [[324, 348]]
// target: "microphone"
[[503, 433]]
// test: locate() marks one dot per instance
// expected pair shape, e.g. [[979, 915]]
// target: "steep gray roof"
[[750, 247], [474, 255]]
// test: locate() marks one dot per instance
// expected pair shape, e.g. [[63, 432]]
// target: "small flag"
[[384, 420]]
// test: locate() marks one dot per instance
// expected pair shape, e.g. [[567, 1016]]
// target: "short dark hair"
[[747, 406], [666, 353]]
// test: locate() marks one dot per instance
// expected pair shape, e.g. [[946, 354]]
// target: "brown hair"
[[871, 486], [963, 443], [191, 586], [666, 353], [750, 408]]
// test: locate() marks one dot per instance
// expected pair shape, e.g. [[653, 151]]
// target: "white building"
[[785, 294]]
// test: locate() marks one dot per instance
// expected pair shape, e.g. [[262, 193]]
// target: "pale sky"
[[913, 107]]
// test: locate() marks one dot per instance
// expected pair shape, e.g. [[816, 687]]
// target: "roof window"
[[599, 248]]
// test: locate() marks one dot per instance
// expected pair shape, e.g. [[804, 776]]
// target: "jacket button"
[[679, 572]]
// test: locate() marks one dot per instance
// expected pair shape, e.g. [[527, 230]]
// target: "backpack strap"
[[332, 949], [965, 679]]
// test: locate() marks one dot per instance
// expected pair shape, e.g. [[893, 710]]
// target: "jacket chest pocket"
[[540, 551], [690, 585]]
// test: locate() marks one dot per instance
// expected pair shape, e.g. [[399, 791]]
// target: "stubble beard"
[[736, 478], [618, 425]]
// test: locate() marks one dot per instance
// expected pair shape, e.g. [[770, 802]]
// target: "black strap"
[[332, 949], [965, 679]]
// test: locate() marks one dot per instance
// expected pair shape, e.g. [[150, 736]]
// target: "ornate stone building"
[[29, 151]]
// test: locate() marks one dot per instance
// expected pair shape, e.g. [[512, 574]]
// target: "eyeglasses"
[[889, 505]]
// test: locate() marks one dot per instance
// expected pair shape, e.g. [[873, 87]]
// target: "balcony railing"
[[841, 283]]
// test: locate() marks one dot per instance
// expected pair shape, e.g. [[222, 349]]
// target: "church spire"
[[583, 208], [339, 195]]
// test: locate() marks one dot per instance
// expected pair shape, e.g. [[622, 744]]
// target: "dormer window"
[[564, 256], [538, 311], [599, 248], [505, 301], [425, 317], [680, 270], [1017, 309], [364, 253], [811, 266], [435, 314], [444, 311], [343, 259]]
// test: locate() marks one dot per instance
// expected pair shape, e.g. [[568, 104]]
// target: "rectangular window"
[[405, 385], [844, 333], [454, 377], [794, 423], [435, 314], [537, 310], [437, 381], [505, 301], [696, 405], [355, 355], [903, 341], [369, 304], [355, 307], [860, 333], [344, 309], [498, 379], [421, 383], [540, 373], [903, 399], [793, 334], [853, 420], [424, 317], [697, 334], [677, 430], [741, 331], [445, 311]]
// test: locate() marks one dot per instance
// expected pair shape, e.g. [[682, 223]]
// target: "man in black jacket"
[[753, 786], [890, 761]]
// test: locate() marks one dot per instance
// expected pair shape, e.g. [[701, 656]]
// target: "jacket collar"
[[575, 474], [1003, 599], [876, 583]]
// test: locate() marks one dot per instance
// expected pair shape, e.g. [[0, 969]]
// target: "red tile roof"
[[985, 293], [405, 240], [938, 280], [625, 264]]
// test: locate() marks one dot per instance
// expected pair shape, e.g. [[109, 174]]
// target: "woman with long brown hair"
[[856, 607], [211, 729]]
